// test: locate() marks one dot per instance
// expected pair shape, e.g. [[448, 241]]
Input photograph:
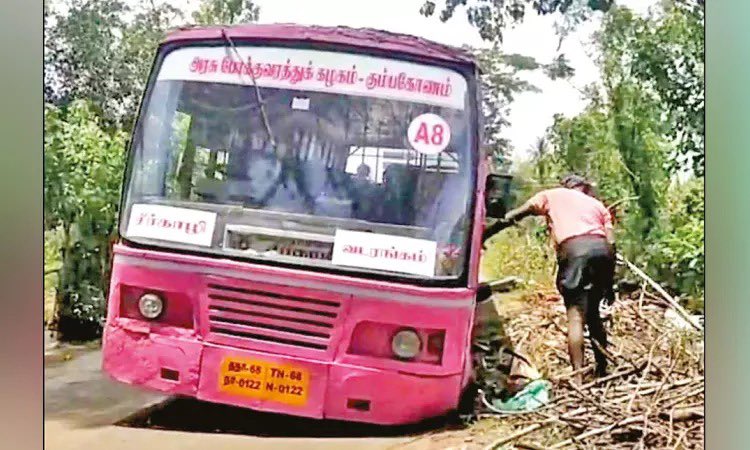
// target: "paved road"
[[83, 409]]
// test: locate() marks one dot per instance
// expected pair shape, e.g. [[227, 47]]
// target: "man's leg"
[[575, 339], [569, 275], [602, 272], [596, 331]]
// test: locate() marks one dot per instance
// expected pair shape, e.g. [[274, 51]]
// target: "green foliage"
[[140, 40], [523, 251], [678, 256], [664, 56], [491, 17], [98, 57], [559, 68], [622, 139], [83, 169], [628, 141], [94, 53], [500, 83], [226, 12], [639, 140], [83, 57], [52, 266]]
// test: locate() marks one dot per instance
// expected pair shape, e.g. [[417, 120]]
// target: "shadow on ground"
[[189, 415]]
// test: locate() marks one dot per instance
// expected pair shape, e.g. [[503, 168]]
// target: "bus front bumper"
[[181, 364]]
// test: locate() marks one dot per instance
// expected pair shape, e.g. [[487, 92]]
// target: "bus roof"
[[362, 38]]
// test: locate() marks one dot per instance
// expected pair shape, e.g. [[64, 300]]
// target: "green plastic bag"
[[535, 395]]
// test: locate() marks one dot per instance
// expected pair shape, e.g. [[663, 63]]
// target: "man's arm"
[[525, 210], [512, 216], [610, 236], [609, 228]]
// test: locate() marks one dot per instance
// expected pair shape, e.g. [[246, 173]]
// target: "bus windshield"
[[305, 157]]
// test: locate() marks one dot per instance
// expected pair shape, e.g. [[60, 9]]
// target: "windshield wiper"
[[284, 175], [258, 97]]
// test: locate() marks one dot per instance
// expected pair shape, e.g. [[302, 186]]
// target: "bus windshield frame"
[[189, 79]]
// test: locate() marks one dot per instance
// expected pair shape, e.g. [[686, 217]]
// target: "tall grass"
[[523, 251]]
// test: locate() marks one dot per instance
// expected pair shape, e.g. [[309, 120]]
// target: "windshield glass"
[[305, 157]]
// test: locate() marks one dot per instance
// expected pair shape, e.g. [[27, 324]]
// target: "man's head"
[[577, 182], [363, 171]]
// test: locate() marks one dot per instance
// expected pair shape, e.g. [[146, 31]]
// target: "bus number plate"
[[264, 381]]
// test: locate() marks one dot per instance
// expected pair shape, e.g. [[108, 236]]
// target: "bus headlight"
[[150, 306], [406, 344]]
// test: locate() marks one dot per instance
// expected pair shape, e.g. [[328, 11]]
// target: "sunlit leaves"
[[665, 56], [226, 12]]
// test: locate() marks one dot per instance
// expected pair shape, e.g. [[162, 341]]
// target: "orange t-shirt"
[[571, 213]]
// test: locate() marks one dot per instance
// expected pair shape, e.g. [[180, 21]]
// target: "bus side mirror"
[[496, 195]]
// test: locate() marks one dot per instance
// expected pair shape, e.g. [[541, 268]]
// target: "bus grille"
[[253, 314]]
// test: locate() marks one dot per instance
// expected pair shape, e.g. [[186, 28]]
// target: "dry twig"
[[653, 398]]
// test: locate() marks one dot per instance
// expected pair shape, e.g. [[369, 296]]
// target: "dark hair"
[[363, 168], [573, 181]]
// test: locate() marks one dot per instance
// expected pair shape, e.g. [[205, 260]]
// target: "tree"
[[83, 55], [644, 120], [140, 41], [83, 164], [500, 84], [96, 66], [93, 53], [226, 12], [491, 17], [629, 140], [663, 54]]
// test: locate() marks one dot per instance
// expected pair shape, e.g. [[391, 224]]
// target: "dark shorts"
[[586, 266]]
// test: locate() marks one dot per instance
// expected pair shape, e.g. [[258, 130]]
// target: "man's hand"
[[506, 222], [513, 216], [493, 229]]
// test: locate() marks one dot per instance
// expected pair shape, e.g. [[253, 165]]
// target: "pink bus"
[[300, 224]]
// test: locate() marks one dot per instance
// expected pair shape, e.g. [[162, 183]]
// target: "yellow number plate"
[[265, 381]]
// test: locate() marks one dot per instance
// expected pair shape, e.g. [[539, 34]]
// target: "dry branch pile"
[[653, 396]]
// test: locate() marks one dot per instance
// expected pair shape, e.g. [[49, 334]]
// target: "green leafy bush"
[[83, 171], [52, 266], [678, 255]]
